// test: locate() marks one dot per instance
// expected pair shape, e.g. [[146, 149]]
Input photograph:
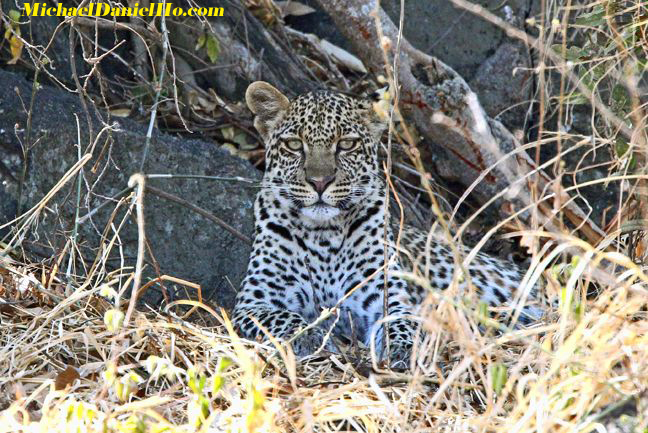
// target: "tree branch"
[[448, 114]]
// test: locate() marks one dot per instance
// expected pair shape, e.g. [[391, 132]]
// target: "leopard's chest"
[[339, 269]]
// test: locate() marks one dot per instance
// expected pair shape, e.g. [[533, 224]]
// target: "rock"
[[479, 51], [504, 85], [183, 244], [461, 39], [457, 37]]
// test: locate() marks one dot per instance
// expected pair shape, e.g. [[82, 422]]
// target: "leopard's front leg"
[[401, 327], [401, 342], [281, 324]]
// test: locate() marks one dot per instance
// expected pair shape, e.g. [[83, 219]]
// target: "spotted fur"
[[320, 231]]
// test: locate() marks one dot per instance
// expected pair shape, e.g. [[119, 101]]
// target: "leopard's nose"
[[320, 183]]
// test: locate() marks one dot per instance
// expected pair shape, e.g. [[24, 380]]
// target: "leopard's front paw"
[[400, 354], [399, 351], [309, 342]]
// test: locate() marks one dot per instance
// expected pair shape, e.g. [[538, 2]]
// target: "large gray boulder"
[[182, 243], [495, 66]]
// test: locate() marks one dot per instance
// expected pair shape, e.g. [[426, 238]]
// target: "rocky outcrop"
[[181, 242]]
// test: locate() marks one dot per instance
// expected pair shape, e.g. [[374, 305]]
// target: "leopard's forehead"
[[320, 117]]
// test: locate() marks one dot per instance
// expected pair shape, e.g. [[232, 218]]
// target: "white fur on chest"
[[331, 275]]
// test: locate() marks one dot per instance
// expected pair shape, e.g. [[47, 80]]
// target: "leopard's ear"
[[376, 116], [268, 104]]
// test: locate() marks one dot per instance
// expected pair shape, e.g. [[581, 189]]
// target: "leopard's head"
[[321, 150]]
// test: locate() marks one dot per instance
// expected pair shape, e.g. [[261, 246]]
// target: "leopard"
[[323, 238]]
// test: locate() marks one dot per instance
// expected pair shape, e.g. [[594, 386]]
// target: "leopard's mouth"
[[319, 204], [320, 211]]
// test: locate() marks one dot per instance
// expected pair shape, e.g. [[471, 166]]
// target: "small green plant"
[[211, 45]]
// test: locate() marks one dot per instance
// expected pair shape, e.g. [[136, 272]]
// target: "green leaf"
[[598, 72], [500, 375], [579, 310], [201, 41], [620, 96], [213, 48], [228, 132], [223, 363], [609, 47], [587, 77], [258, 399], [240, 139], [576, 98], [14, 15], [196, 381], [571, 53], [198, 411], [566, 297], [482, 311], [575, 53], [574, 261], [621, 146], [594, 18], [217, 384]]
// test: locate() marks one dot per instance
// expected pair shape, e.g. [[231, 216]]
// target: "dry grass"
[[64, 368], [75, 357]]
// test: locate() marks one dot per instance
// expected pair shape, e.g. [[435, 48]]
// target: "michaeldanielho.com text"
[[105, 9]]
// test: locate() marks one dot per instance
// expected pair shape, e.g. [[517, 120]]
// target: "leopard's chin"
[[320, 212]]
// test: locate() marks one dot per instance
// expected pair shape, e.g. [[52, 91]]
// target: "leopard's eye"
[[348, 144], [294, 144]]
